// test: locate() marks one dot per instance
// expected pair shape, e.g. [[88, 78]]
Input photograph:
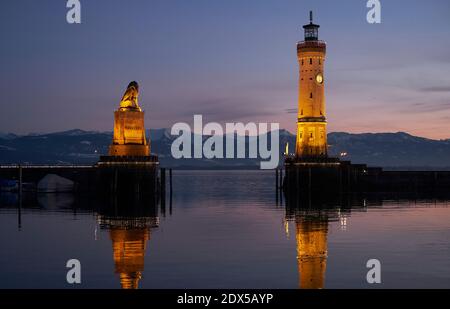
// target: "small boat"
[[52, 183]]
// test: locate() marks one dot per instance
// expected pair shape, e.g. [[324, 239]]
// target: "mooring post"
[[276, 179], [163, 185], [288, 180], [19, 213], [20, 179], [281, 187], [170, 205], [19, 210], [281, 179], [276, 186], [281, 198], [170, 181], [163, 180]]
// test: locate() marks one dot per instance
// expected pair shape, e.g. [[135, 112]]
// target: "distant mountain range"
[[389, 150]]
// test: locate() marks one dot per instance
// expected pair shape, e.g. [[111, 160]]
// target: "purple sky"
[[230, 60]]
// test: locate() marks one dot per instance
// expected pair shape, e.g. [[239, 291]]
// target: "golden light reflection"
[[129, 238], [312, 252], [129, 254]]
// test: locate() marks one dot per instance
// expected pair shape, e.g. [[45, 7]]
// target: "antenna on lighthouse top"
[[311, 29]]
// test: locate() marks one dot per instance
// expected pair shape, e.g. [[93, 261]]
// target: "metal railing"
[[318, 43], [25, 166]]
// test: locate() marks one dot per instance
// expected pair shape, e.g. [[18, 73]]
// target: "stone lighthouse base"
[[331, 176], [314, 175]]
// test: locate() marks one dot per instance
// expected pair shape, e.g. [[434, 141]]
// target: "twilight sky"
[[230, 60]]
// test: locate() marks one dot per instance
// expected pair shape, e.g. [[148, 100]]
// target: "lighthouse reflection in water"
[[311, 234]]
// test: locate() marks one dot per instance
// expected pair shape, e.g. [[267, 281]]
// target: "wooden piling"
[[170, 181], [19, 210], [281, 186], [20, 179], [276, 179], [163, 186], [281, 179]]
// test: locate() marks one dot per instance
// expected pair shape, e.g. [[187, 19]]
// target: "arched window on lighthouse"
[[310, 95], [311, 135]]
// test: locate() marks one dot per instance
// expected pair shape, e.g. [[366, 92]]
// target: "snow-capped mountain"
[[391, 150]]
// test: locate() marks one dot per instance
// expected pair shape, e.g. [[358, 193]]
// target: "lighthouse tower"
[[311, 123]]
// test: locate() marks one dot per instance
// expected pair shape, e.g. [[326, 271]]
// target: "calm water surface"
[[224, 229]]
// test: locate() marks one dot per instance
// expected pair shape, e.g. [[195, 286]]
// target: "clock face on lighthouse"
[[319, 78]]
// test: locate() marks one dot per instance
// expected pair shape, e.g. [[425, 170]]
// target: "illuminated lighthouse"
[[311, 123]]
